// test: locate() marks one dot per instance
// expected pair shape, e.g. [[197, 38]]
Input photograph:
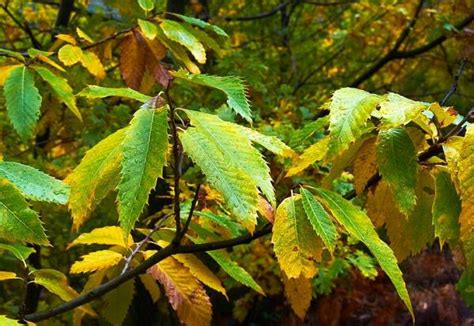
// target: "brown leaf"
[[133, 59]]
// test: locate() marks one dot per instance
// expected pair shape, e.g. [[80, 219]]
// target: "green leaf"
[[446, 207], [215, 155], [17, 221], [178, 33], [95, 177], [232, 86], [19, 251], [94, 91], [320, 220], [360, 227], [146, 5], [56, 283], [117, 303], [148, 29], [202, 24], [397, 110], [23, 101], [13, 54], [144, 152], [350, 108], [396, 158], [34, 184], [61, 88], [273, 144], [294, 240]]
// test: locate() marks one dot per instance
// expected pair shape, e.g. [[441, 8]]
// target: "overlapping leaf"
[[397, 110], [178, 33], [108, 235], [298, 292], [312, 154], [144, 152], [117, 303], [97, 260]]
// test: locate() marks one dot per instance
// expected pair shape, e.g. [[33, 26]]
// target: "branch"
[[260, 15], [191, 211], [25, 27], [454, 85], [142, 268], [327, 4]]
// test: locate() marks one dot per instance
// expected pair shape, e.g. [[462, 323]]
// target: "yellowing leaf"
[[271, 143], [117, 303], [294, 240], [66, 38], [148, 28], [91, 62], [312, 154], [5, 71], [185, 294], [177, 33], [7, 276], [144, 154], [83, 35], [17, 221], [61, 88], [146, 5], [350, 108], [151, 286], [298, 292], [396, 157], [94, 91], [360, 227], [4, 321], [70, 54], [365, 165], [380, 204], [23, 100], [108, 235], [452, 150], [97, 260], [397, 110], [94, 177], [56, 283]]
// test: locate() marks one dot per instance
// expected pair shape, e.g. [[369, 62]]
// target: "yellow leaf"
[[108, 235], [70, 54], [452, 149], [298, 292], [7, 276], [185, 294], [295, 243], [67, 38], [380, 203], [315, 152], [151, 286], [92, 63], [198, 270], [4, 71], [365, 164], [50, 62], [83, 35], [96, 260]]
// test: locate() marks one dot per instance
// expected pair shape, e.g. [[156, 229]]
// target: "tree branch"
[[23, 26], [327, 4], [142, 268], [191, 211], [260, 15]]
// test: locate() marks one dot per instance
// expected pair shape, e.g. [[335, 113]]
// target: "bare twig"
[[24, 26], [191, 211], [454, 85]]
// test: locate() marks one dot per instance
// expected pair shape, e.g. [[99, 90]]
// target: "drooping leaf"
[[397, 110], [144, 151], [61, 88], [365, 165], [83, 35], [236, 148], [298, 292], [237, 187], [94, 177], [179, 52], [56, 283], [177, 33], [380, 204], [300, 136], [34, 184], [203, 24], [185, 294], [198, 270], [319, 219], [117, 303], [17, 221], [70, 54], [94, 91], [132, 60], [294, 240], [312, 154], [44, 57], [5, 276], [151, 286], [360, 227], [108, 235], [91, 62], [446, 207], [5, 71], [396, 158], [233, 87], [23, 100], [19, 251], [452, 151], [271, 143], [350, 108], [97, 260]]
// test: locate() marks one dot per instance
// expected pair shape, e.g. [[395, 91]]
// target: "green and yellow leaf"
[[97, 260], [108, 235], [397, 110], [117, 303], [312, 154], [70, 54], [177, 33]]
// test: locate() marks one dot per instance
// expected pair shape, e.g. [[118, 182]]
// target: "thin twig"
[[135, 251], [266, 14], [454, 85], [25, 27], [191, 211]]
